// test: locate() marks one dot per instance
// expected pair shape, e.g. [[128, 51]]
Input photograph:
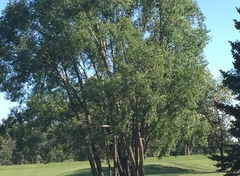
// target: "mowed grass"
[[170, 166]]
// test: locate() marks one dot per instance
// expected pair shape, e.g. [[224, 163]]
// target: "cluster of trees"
[[38, 136], [46, 130], [107, 80]]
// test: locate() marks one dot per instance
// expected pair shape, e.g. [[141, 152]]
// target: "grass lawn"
[[172, 166]]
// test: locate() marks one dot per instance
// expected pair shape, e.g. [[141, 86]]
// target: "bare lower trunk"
[[131, 156], [142, 156], [117, 166], [108, 160], [188, 150], [92, 163], [97, 160]]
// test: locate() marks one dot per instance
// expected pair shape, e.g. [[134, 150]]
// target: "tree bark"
[[131, 156], [142, 156], [117, 166], [97, 160], [91, 162], [108, 159]]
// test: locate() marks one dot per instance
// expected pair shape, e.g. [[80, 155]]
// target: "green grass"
[[170, 166]]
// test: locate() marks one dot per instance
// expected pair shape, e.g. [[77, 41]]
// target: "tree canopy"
[[130, 71]]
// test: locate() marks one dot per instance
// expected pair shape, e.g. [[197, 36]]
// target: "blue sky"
[[219, 20]]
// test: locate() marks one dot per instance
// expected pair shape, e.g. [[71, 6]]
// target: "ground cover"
[[169, 166]]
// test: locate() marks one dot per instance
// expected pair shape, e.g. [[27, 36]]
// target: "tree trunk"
[[142, 156], [131, 156], [122, 166], [117, 166], [108, 160], [92, 164], [97, 160], [188, 150]]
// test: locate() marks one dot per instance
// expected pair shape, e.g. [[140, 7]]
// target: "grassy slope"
[[179, 166]]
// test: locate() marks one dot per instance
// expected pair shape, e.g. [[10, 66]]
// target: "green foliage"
[[7, 145], [231, 162], [124, 73], [35, 130], [218, 120]]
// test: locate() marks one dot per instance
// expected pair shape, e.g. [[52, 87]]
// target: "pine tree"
[[231, 79]]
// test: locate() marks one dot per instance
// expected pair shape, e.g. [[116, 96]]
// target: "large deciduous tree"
[[231, 79], [129, 70]]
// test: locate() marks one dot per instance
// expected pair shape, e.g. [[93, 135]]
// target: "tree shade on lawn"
[[172, 166]]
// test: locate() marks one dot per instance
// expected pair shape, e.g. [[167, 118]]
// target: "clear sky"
[[219, 20]]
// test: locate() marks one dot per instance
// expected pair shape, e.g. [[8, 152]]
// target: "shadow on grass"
[[150, 170], [81, 172], [159, 169]]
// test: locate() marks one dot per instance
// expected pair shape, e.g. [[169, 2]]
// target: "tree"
[[127, 70], [194, 133], [231, 162], [217, 119], [7, 145], [35, 128]]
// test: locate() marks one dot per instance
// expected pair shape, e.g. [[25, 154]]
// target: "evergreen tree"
[[231, 79]]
